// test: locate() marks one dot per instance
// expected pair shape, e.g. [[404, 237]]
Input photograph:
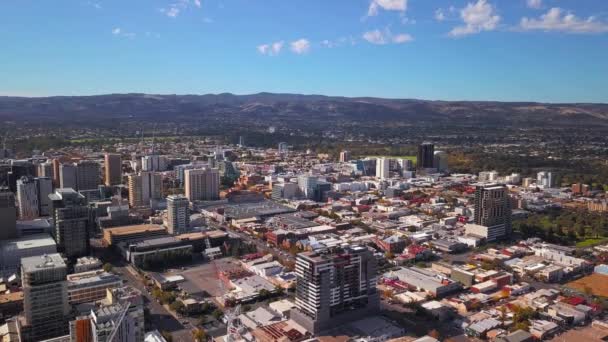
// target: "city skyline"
[[523, 50]]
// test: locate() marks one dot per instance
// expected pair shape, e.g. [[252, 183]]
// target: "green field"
[[590, 242]]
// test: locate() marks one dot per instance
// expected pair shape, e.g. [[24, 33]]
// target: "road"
[[160, 318]]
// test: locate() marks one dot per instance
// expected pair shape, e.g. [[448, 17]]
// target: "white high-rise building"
[[488, 176], [202, 184], [545, 179], [307, 185], [154, 163], [27, 198], [33, 197], [382, 168], [178, 214]]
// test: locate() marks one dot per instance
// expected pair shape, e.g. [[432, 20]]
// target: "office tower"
[[71, 217], [405, 165], [382, 168], [228, 173], [335, 287], [113, 169], [33, 197], [154, 163], [493, 208], [144, 187], [45, 296], [19, 168], [27, 198], [87, 175], [545, 179], [241, 141], [178, 214], [345, 156], [106, 323], [8, 215], [487, 176], [56, 173], [440, 161], [202, 184], [131, 297], [426, 156], [283, 148], [307, 185], [45, 170], [67, 176]]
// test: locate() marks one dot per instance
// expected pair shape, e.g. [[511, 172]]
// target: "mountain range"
[[298, 108]]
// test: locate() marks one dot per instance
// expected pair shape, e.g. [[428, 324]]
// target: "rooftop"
[[134, 229], [47, 261]]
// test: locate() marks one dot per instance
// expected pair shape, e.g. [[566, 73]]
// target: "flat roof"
[[27, 242], [47, 261], [133, 229]]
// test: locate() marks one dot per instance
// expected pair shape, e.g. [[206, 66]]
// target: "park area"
[[596, 284]]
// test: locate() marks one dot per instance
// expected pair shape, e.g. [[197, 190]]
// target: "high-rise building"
[[8, 215], [83, 175], [33, 197], [405, 164], [178, 214], [335, 287], [426, 156], [283, 148], [345, 156], [87, 175], [113, 169], [307, 185], [45, 170], [144, 187], [71, 218], [130, 296], [493, 208], [441, 161], [45, 296], [106, 323], [67, 176], [545, 179], [56, 173], [18, 169], [382, 168], [154, 163], [228, 172], [202, 184]]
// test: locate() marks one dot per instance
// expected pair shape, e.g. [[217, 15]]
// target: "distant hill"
[[298, 108]]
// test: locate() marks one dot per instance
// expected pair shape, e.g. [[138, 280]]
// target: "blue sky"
[[510, 50]]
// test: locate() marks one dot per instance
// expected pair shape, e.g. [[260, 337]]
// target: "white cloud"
[[208, 20], [300, 46], [402, 38], [439, 15], [477, 17], [385, 37], [175, 8], [117, 31], [558, 20], [328, 43], [536, 4], [271, 49], [387, 5]]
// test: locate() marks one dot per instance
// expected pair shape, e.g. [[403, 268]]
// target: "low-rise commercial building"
[[90, 286]]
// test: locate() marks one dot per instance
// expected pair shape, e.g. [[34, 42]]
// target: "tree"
[[177, 306], [107, 267], [199, 335], [217, 314]]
